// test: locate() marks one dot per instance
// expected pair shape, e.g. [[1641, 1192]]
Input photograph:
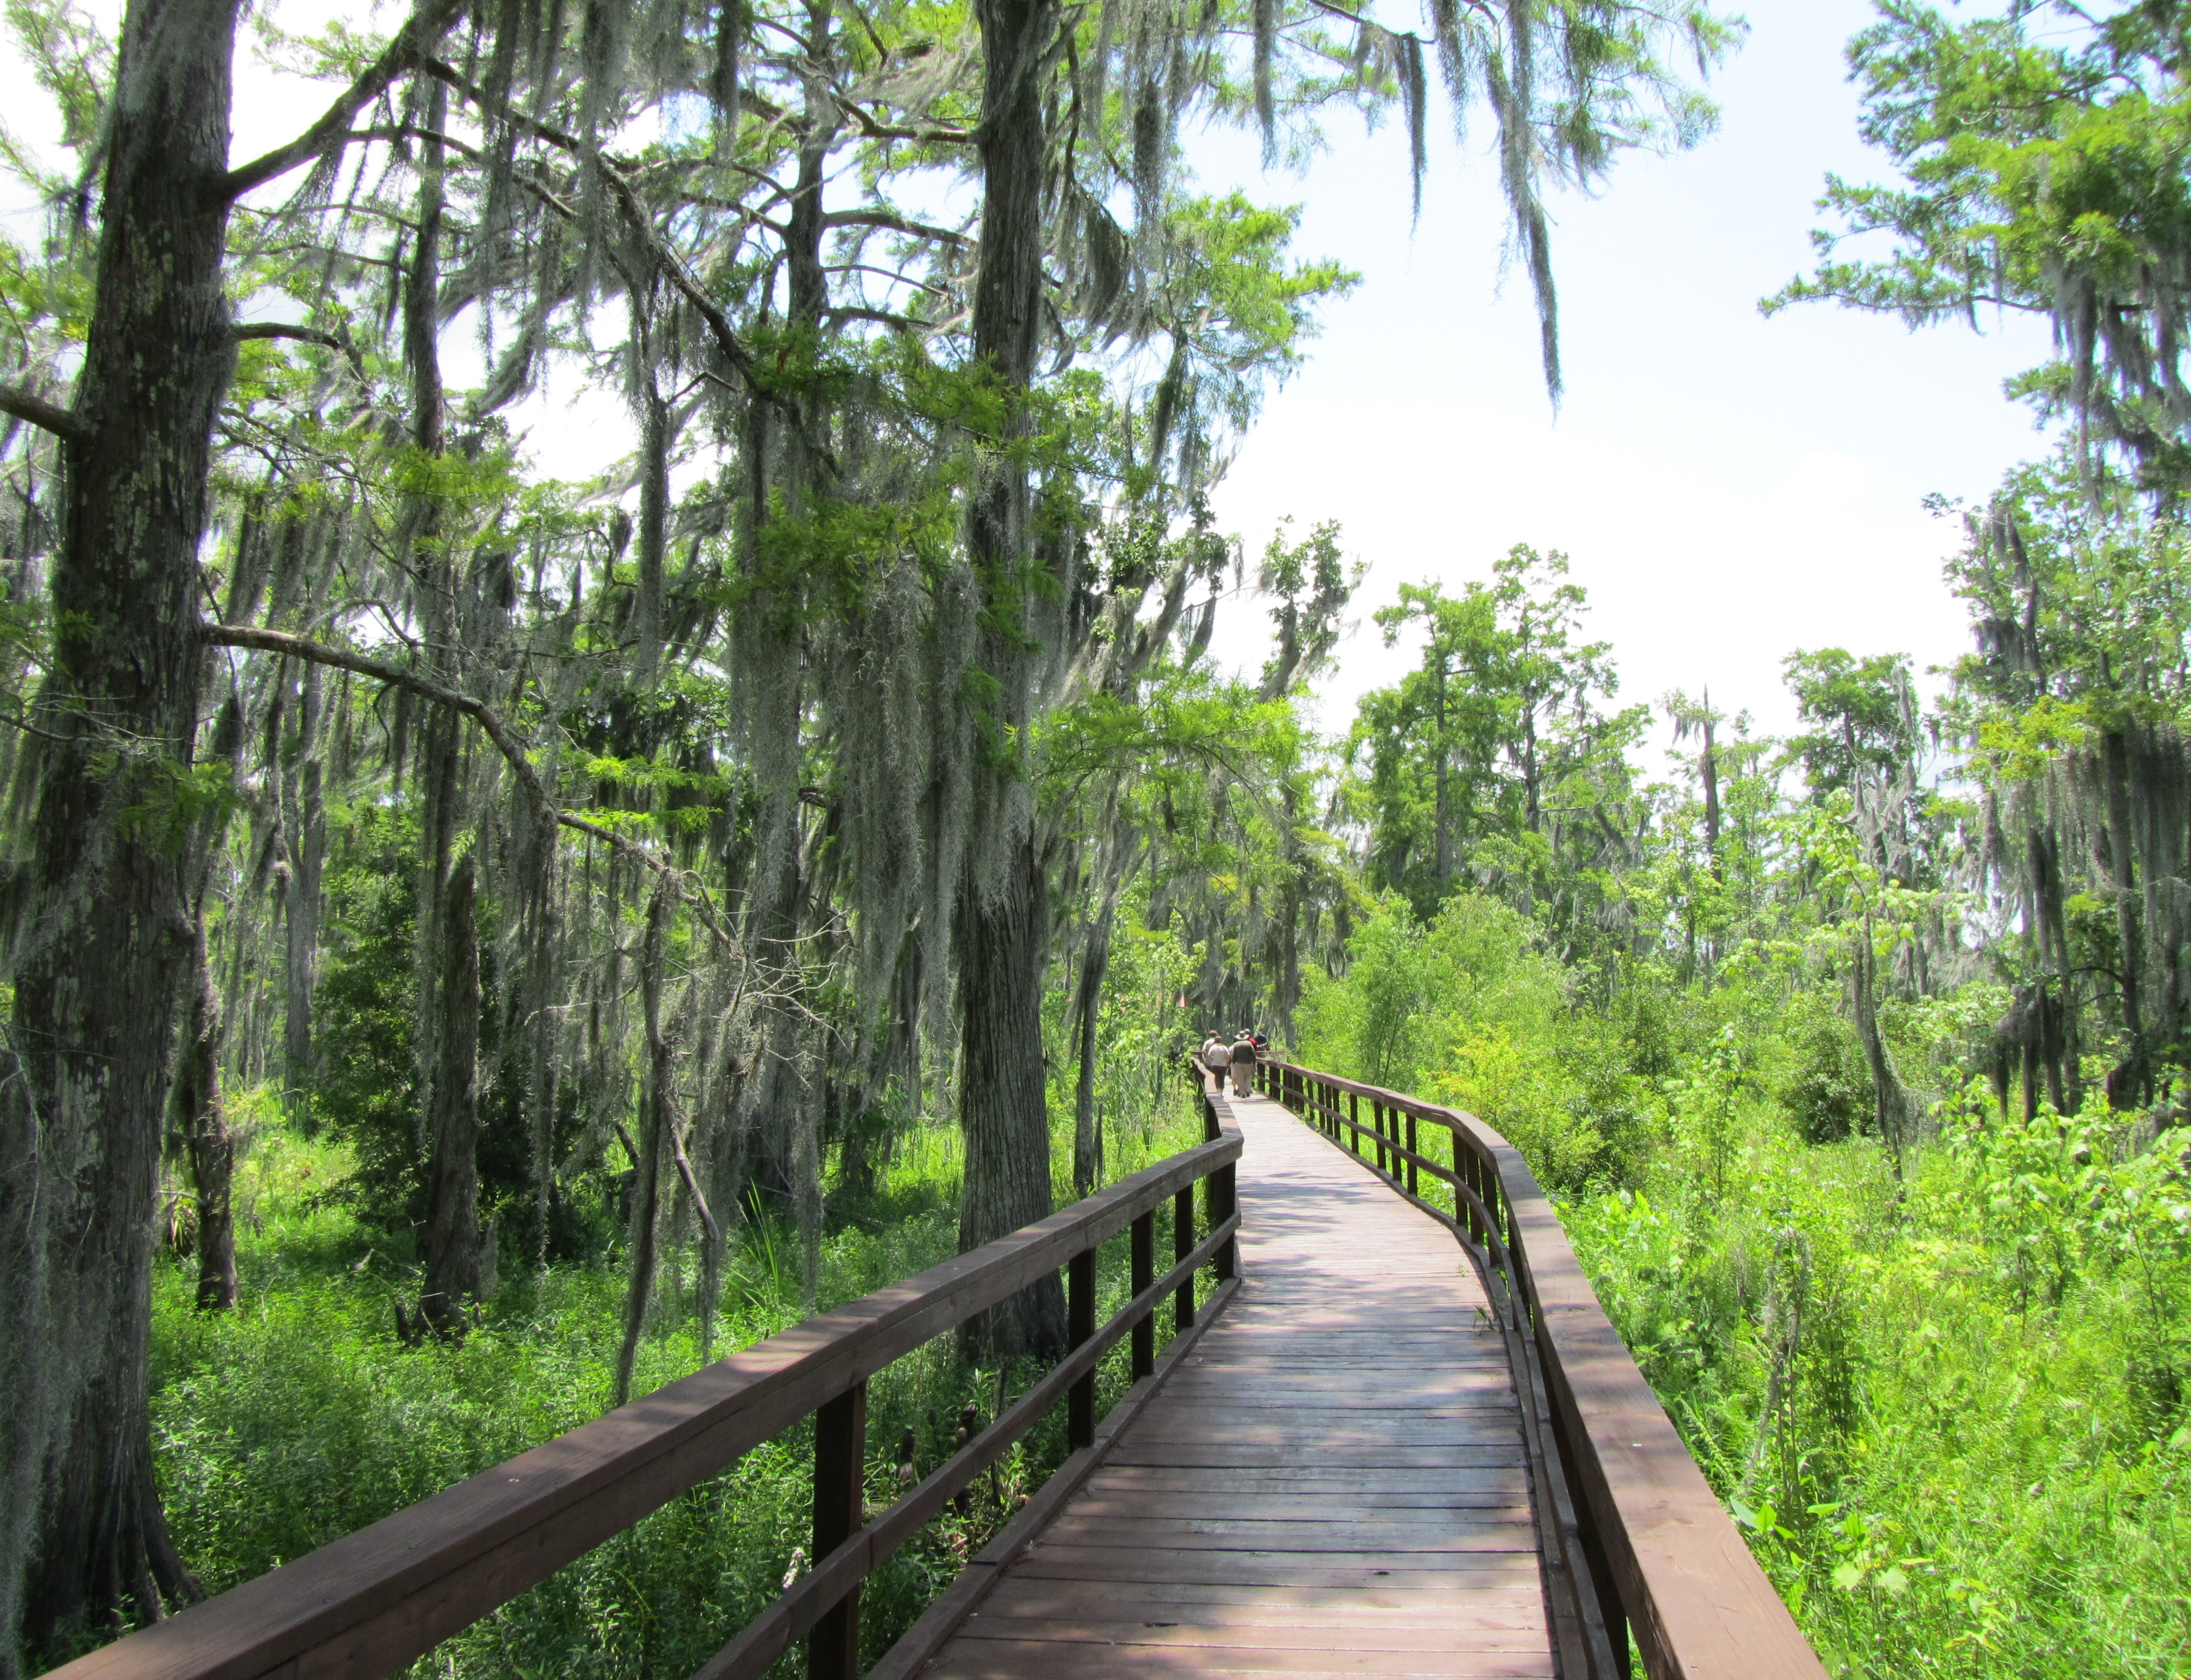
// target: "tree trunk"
[[1285, 980], [1442, 866], [303, 826], [202, 1120], [452, 1229], [1890, 1096], [1003, 1110], [447, 1041], [1087, 1142], [2056, 1047], [1002, 1106], [654, 1118], [109, 941], [1711, 768], [2129, 1084], [773, 1165]]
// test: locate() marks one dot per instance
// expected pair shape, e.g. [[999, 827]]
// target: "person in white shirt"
[[1214, 1055]]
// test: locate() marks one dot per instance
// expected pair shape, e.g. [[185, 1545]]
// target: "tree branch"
[[428, 23], [304, 335], [396, 676], [342, 658], [667, 262], [51, 417], [872, 130], [844, 312], [894, 222]]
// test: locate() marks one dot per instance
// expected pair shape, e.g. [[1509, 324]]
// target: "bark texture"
[[453, 1228], [1002, 1103], [107, 937], [304, 840], [202, 1118], [654, 1120], [1002, 936]]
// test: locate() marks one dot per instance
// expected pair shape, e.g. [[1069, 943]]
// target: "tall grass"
[[1949, 1415], [300, 1418]]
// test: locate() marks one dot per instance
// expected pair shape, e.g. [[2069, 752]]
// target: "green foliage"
[[1470, 1010], [2043, 167], [1954, 1429], [366, 1094], [299, 1417], [1493, 758], [365, 1091], [1828, 1093], [1863, 714]]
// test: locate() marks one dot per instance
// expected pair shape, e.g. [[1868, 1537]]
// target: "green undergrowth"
[[1949, 1414], [300, 1416]]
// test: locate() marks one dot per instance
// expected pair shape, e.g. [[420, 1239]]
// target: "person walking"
[[1244, 1063], [1214, 1055]]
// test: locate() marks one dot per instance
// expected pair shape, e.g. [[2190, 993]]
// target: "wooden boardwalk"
[[1331, 1483]]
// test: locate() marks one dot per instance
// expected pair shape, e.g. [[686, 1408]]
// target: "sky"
[[1726, 488]]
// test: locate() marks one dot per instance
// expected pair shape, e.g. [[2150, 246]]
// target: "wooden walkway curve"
[[1332, 1481]]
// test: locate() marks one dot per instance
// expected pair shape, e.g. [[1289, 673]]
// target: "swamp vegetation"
[[481, 943]]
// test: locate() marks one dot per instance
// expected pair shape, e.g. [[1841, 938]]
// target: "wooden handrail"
[[367, 1604], [1635, 1541]]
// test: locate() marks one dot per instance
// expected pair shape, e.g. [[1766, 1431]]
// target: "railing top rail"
[[1699, 1604], [442, 1564]]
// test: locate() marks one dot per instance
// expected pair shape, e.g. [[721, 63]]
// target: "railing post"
[[840, 1458], [1353, 1113], [1079, 1328], [1223, 1193], [1466, 1172], [1414, 1148], [1182, 1244], [1479, 1180], [1144, 1244]]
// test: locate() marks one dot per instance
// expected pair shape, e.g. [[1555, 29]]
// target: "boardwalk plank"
[[1331, 1484], [1231, 1533], [1221, 1605], [1316, 1478], [1008, 1659], [1330, 1634], [1391, 1507]]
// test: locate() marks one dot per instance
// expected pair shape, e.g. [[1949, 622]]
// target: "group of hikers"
[[1237, 1058]]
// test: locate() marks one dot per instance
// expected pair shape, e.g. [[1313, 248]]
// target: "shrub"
[[1829, 1094]]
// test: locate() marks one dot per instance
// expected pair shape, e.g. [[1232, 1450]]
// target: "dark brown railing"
[[366, 1605], [1633, 1539]]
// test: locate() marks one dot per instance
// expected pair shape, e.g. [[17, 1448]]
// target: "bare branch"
[[304, 335], [893, 222], [844, 312], [51, 417], [426, 26]]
